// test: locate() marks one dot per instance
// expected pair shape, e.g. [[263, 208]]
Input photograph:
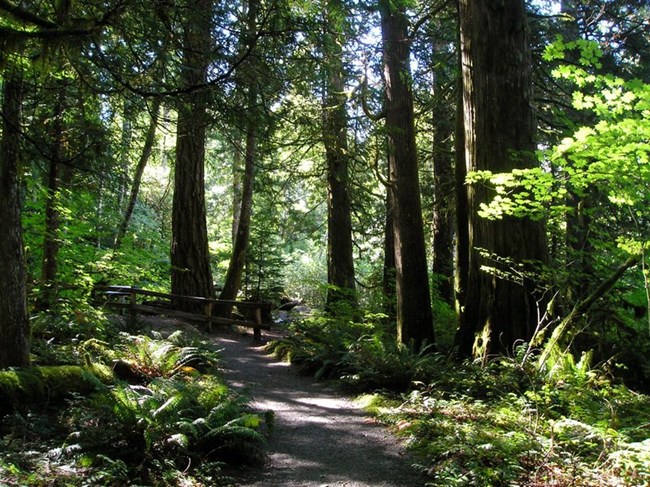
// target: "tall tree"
[[56, 136], [499, 306], [443, 188], [190, 258], [147, 149], [414, 317], [14, 323], [340, 264], [242, 226]]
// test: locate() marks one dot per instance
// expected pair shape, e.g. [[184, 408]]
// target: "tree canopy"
[[463, 178]]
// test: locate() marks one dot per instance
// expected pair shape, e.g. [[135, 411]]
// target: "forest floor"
[[320, 438]]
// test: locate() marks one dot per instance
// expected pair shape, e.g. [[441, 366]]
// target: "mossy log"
[[39, 387]]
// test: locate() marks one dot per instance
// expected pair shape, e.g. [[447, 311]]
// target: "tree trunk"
[[14, 322], [49, 267], [443, 204], [340, 264], [237, 171], [499, 306], [147, 149], [126, 142], [462, 205], [190, 256], [414, 317], [237, 263], [388, 282]]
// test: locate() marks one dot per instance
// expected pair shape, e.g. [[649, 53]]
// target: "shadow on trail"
[[320, 438]]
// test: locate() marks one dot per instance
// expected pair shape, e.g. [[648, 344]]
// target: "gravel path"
[[320, 438]]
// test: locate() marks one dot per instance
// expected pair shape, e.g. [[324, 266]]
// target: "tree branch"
[[564, 329], [26, 16]]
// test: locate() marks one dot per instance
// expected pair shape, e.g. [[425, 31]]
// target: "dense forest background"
[[467, 178]]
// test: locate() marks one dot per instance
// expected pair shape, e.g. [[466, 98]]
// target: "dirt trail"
[[321, 438]]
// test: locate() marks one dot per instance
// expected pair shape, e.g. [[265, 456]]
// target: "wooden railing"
[[248, 313]]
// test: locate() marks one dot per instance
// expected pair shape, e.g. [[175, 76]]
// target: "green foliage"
[[593, 190], [41, 386], [180, 413], [84, 257], [612, 155], [504, 424], [165, 358], [374, 362], [362, 355], [176, 419], [318, 344], [445, 322]]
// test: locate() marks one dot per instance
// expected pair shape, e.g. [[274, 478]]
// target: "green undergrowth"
[[162, 416], [361, 355], [506, 422]]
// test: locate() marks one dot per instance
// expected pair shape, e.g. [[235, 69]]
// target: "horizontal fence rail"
[[213, 311]]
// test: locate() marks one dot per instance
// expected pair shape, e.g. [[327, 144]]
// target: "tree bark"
[[499, 307], [49, 266], [443, 205], [14, 322], [147, 149], [340, 263], [414, 316], [388, 281], [126, 142], [237, 263], [190, 258], [237, 171]]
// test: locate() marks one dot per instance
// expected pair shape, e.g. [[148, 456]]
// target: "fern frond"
[[170, 406]]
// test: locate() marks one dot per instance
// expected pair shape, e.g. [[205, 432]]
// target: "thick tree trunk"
[[340, 264], [499, 306], [190, 256], [414, 317], [147, 149], [462, 206], [14, 322]]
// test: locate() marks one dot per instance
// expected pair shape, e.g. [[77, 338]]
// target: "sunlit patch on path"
[[320, 437]]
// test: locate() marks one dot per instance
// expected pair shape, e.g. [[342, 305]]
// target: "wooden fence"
[[136, 300]]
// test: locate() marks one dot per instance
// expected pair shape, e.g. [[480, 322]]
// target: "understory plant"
[[505, 423], [500, 422], [361, 353], [167, 418]]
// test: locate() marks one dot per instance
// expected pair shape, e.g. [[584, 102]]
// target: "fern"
[[178, 413]]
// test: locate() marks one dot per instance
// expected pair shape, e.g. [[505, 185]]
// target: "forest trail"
[[321, 438]]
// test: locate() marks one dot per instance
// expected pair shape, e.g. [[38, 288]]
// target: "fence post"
[[257, 332], [132, 303], [208, 316]]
